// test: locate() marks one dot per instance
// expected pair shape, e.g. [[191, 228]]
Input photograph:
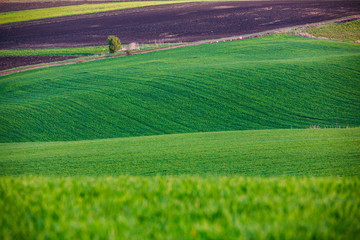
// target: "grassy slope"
[[26, 15], [345, 31], [309, 152], [259, 83], [179, 208], [270, 82], [185, 207]]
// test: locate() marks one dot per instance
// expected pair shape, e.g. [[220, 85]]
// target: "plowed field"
[[175, 23]]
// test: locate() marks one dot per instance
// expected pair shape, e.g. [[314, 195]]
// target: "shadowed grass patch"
[[309, 152]]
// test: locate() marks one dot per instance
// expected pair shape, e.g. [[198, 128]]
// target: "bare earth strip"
[[247, 36], [18, 61], [171, 23]]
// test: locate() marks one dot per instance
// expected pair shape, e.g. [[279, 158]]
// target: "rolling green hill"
[[300, 184], [302, 152], [266, 83]]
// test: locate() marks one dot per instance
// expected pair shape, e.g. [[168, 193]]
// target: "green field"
[[94, 151], [179, 208], [72, 51], [34, 14], [266, 83], [77, 51], [349, 31], [302, 152]]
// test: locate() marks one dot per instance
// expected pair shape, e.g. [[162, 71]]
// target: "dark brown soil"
[[171, 23], [12, 62]]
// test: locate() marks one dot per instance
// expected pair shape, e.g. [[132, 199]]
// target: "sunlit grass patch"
[[26, 15], [349, 31]]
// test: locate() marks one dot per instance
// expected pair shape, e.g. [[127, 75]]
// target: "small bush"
[[114, 44]]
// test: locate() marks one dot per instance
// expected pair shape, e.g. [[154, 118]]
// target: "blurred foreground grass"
[[185, 207]]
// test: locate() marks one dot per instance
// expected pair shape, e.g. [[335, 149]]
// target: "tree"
[[114, 44]]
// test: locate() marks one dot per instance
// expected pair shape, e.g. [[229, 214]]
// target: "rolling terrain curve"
[[266, 83]]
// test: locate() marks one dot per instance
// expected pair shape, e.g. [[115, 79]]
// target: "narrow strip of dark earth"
[[171, 23], [13, 62]]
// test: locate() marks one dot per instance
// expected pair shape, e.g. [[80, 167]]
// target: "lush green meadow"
[[34, 14], [349, 31], [179, 208], [302, 152], [94, 151], [272, 82]]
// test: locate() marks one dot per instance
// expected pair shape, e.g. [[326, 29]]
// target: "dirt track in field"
[[171, 23]]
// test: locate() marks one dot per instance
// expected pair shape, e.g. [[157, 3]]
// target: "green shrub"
[[114, 44]]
